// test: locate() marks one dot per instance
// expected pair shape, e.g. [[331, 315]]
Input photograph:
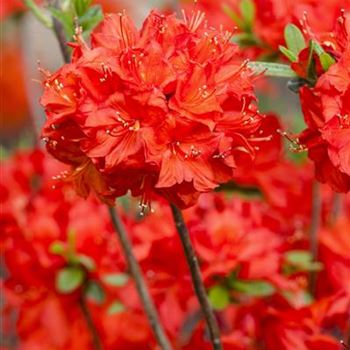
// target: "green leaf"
[[326, 61], [317, 48], [298, 257], [86, 261], [294, 39], [248, 10], [116, 279], [219, 297], [81, 6], [92, 17], [69, 279], [306, 296], [57, 248], [253, 288], [4, 153], [245, 39], [39, 13], [289, 54], [95, 292], [115, 308], [66, 19], [66, 6], [301, 260], [272, 69]]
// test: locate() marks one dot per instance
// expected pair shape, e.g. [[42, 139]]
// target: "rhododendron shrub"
[[236, 241], [225, 228], [169, 109]]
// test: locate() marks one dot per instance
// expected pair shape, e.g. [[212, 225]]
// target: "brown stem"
[[90, 324], [140, 283], [60, 34], [197, 281], [315, 225], [337, 204]]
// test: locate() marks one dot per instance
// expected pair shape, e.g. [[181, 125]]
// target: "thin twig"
[[315, 225], [337, 204], [60, 34], [90, 324], [140, 283], [197, 281]]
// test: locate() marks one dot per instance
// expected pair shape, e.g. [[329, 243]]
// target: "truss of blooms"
[[168, 109]]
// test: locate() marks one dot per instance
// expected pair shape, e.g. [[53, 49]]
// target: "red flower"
[[334, 244], [168, 109], [326, 108], [14, 108], [306, 328], [234, 239], [271, 17], [10, 7]]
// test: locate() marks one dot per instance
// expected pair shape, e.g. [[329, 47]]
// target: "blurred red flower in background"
[[243, 256], [14, 112], [10, 7], [263, 28], [326, 111]]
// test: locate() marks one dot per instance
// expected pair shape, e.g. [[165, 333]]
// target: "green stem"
[[38, 13], [273, 69]]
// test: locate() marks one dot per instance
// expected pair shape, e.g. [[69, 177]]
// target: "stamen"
[[295, 146], [223, 155], [195, 21], [261, 139], [43, 71], [193, 153], [78, 37], [347, 347], [344, 120], [106, 71]]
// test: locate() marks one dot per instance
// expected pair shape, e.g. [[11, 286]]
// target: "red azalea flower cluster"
[[266, 32], [168, 113], [248, 260], [168, 109], [326, 111], [10, 7]]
